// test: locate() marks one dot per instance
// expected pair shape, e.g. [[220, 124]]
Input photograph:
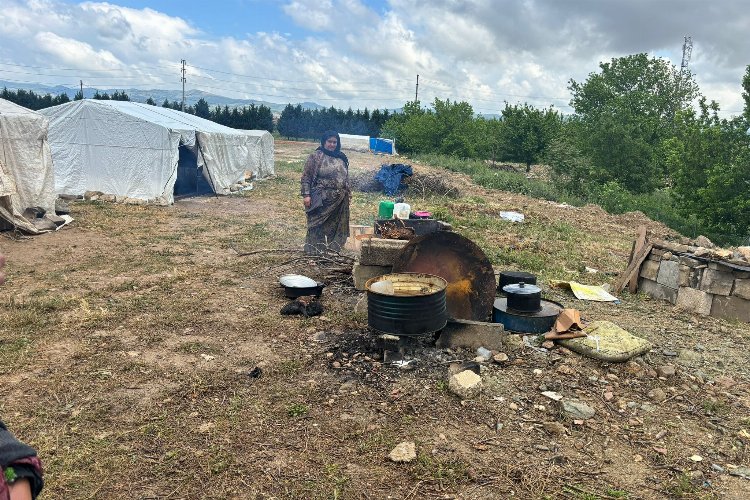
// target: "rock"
[[484, 354], [62, 207], [109, 198], [717, 468], [633, 368], [657, 395], [704, 242], [548, 344], [554, 427], [92, 195], [500, 358], [743, 472], [669, 353], [696, 458], [472, 335], [465, 384], [665, 371], [577, 410], [744, 252], [405, 451], [552, 395], [608, 396]]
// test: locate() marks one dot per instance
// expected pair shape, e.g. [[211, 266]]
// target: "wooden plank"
[[638, 245], [633, 267]]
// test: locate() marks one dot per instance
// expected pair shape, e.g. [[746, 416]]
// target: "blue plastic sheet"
[[390, 176]]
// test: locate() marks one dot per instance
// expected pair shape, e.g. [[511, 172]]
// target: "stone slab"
[[717, 282], [472, 335], [685, 272], [742, 288], [380, 251], [690, 262], [649, 270], [731, 308], [669, 274], [362, 273], [690, 299], [657, 291]]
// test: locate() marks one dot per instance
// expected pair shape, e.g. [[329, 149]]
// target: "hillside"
[[131, 342]]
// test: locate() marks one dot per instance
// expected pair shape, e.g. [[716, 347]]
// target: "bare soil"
[[128, 340]]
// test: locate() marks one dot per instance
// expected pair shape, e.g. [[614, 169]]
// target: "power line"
[[275, 79]]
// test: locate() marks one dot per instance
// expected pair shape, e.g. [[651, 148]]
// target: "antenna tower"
[[687, 51]]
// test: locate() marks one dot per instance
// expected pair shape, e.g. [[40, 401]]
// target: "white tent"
[[26, 174], [355, 142], [133, 150]]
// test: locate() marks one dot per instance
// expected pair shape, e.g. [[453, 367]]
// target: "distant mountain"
[[138, 95]]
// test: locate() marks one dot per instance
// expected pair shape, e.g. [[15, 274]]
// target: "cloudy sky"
[[368, 52]]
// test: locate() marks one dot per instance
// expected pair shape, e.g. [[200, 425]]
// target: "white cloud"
[[485, 51]]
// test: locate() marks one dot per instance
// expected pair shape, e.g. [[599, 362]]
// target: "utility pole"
[[183, 85], [416, 91], [81, 89]]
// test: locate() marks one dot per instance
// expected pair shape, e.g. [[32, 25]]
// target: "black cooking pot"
[[523, 297], [513, 277], [300, 291]]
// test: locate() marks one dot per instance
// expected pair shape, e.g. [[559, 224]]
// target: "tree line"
[[641, 137], [300, 123]]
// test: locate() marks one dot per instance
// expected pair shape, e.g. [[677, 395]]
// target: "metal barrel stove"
[[406, 303]]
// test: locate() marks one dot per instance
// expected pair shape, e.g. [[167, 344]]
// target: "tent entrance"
[[190, 179]]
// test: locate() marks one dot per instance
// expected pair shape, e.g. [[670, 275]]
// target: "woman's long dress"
[[328, 215]]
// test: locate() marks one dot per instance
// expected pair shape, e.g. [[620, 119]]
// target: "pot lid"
[[297, 281], [521, 289]]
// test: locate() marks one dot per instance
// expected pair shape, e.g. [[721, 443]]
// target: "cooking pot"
[[513, 277], [296, 285], [523, 297]]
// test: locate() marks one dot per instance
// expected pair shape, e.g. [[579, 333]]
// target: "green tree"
[[101, 97], [626, 111], [201, 108], [526, 132], [78, 96], [150, 102]]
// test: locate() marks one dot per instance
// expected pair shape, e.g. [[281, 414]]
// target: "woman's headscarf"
[[337, 152]]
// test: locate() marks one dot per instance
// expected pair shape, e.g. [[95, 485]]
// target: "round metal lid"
[[522, 289]]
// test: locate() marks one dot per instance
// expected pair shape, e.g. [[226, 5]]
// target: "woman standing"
[[326, 194]]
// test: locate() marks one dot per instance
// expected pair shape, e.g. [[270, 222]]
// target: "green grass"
[[658, 205], [297, 410]]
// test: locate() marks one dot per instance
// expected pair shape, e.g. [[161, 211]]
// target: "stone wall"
[[702, 284]]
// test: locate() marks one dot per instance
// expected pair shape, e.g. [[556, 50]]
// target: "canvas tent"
[[355, 142], [26, 173], [136, 150]]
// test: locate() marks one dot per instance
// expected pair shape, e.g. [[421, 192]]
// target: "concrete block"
[[717, 282], [658, 291], [362, 273], [694, 300], [380, 251], [669, 274], [742, 288], [650, 269], [472, 335], [731, 308]]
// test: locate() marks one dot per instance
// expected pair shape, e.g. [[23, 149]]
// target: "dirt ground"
[[129, 345]]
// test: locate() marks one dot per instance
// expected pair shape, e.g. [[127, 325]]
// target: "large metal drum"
[[406, 303]]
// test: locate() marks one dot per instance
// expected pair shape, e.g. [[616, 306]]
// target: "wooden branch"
[[640, 241], [633, 268]]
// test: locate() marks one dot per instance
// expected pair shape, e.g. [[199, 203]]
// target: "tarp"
[[355, 142], [26, 173], [132, 149], [380, 145], [390, 177]]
